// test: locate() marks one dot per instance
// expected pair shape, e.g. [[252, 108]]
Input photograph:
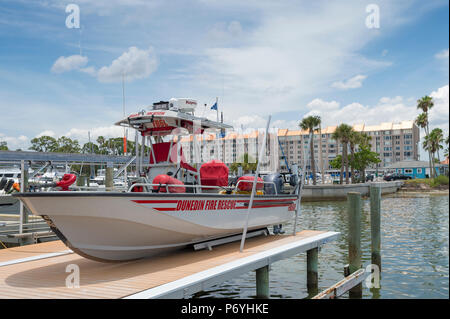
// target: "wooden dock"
[[39, 270]]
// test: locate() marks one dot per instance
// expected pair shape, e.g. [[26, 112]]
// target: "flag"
[[214, 107]]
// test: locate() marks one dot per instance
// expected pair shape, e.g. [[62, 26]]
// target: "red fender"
[[247, 186], [168, 180], [66, 181]]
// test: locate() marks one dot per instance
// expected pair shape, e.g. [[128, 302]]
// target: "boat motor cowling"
[[275, 182]]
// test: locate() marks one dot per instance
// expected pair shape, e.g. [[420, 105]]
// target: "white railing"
[[200, 186]]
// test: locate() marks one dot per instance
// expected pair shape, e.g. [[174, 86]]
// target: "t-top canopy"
[[163, 122]]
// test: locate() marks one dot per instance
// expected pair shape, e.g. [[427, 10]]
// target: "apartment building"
[[394, 142]]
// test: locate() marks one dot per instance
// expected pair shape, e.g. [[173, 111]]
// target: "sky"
[[347, 61]]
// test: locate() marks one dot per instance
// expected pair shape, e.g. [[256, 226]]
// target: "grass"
[[432, 182]]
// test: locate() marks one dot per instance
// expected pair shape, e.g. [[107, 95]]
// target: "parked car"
[[394, 177]]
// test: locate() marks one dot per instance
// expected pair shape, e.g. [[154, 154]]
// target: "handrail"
[[203, 186], [262, 182], [173, 185]]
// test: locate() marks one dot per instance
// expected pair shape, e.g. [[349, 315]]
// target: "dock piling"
[[312, 277], [262, 282], [375, 224], [354, 238], [109, 172]]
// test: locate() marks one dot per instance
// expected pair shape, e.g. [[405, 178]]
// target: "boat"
[[9, 178], [170, 204]]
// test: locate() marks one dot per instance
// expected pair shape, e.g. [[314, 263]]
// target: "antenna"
[[123, 104]]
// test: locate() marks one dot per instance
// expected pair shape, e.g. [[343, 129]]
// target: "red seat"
[[214, 173]]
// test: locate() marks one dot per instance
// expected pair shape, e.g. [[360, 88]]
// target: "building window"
[[407, 136], [419, 171], [408, 171]]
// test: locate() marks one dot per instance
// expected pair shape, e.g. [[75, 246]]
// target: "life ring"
[[66, 181]]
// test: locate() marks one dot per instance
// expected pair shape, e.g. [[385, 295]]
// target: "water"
[[414, 251]]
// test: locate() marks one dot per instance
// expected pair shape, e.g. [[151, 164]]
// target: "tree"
[[425, 104], [363, 158], [447, 140], [437, 138], [355, 139], [44, 144], [89, 148], [3, 146], [342, 134], [244, 162], [311, 124], [67, 145]]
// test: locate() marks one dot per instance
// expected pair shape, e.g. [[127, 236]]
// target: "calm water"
[[414, 251]]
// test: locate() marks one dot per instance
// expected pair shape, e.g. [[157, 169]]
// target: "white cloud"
[[386, 110], [81, 134], [47, 133], [352, 83], [15, 142], [439, 114], [134, 63], [73, 62], [442, 54]]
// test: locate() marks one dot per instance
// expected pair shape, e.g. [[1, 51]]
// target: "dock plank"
[[31, 250], [46, 278]]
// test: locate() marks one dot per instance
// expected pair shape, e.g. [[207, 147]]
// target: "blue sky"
[[285, 58]]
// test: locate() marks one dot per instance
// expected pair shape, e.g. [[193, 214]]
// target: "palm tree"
[[342, 134], [425, 104], [437, 138], [447, 140], [428, 145], [311, 124]]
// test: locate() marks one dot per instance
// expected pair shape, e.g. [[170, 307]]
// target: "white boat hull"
[[124, 226]]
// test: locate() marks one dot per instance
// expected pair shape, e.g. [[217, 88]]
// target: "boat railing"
[[199, 186], [258, 182]]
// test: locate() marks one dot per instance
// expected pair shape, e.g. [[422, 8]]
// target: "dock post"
[[354, 238], [375, 224], [109, 172], [262, 282], [312, 277]]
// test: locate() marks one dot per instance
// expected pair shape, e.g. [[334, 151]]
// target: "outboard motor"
[[274, 178], [293, 178]]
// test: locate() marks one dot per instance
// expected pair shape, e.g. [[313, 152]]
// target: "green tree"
[[437, 138], [247, 162], [425, 104], [342, 134], [67, 145], [89, 148], [44, 144], [446, 152], [363, 158], [311, 124], [3, 146]]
